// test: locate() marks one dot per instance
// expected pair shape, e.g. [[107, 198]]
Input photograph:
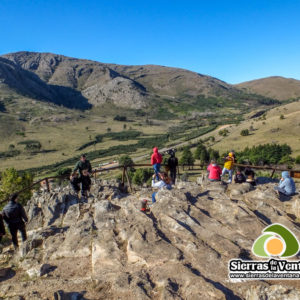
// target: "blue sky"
[[231, 40]]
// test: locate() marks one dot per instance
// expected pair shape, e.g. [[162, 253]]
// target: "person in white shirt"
[[164, 182]]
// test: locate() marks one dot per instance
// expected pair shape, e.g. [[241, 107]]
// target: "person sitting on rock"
[[2, 228], [214, 171], [15, 217], [85, 170], [165, 182], [239, 176], [250, 176], [286, 185], [156, 159], [228, 166]]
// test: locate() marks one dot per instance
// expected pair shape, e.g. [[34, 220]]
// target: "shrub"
[[281, 117], [142, 176], [12, 182], [120, 118], [244, 132], [64, 171], [223, 132]]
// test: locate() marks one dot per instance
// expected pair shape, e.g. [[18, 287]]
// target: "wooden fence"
[[293, 173]]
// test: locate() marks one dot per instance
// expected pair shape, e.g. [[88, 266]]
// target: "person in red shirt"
[[214, 171], [156, 159]]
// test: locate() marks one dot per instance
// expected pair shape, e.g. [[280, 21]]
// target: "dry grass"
[[265, 131]]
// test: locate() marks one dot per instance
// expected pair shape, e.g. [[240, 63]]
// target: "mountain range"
[[79, 83]]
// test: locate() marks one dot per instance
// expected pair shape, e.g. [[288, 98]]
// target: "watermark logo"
[[276, 240], [275, 243]]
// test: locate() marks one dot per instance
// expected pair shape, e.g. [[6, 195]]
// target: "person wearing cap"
[[2, 228], [228, 166], [15, 217], [172, 164], [286, 185], [83, 166]]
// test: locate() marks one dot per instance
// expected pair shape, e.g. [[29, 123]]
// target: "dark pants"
[[173, 175], [85, 184], [14, 228]]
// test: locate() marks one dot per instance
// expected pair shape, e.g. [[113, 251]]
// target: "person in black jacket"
[[172, 164], [15, 217], [239, 177], [2, 228], [85, 170]]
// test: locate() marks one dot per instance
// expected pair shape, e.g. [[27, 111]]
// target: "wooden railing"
[[294, 173]]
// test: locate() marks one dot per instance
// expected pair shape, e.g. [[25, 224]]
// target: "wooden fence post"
[[47, 185], [272, 173], [123, 177], [128, 180]]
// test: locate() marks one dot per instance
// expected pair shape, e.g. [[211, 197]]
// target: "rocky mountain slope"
[[105, 248], [80, 83], [275, 87]]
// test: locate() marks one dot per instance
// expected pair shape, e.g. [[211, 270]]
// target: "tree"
[[125, 160], [201, 154], [281, 117], [108, 129], [245, 132], [142, 176], [297, 159], [11, 147], [12, 182], [187, 157], [213, 154], [124, 126]]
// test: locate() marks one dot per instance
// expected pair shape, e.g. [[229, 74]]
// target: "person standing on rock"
[[172, 164], [15, 217], [228, 166], [286, 185], [156, 159], [83, 166], [2, 228], [214, 171]]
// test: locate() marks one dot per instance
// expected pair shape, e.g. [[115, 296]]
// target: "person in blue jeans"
[[286, 185], [165, 182], [156, 159]]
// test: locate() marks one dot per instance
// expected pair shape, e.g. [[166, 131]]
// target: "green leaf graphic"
[[258, 246], [292, 245]]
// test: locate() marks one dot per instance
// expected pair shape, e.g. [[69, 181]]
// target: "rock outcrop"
[[106, 248]]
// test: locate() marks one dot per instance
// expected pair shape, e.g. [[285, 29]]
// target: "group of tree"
[[13, 181], [201, 153], [265, 154]]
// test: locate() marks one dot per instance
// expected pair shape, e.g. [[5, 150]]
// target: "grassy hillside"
[[276, 87], [269, 129]]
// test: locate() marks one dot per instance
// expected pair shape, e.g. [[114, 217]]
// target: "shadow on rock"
[[6, 274], [61, 295]]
